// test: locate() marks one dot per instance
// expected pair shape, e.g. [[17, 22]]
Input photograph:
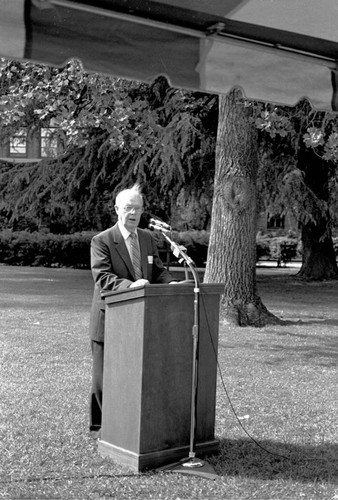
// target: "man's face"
[[129, 211]]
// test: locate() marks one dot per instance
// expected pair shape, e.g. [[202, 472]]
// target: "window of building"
[[18, 144], [49, 143], [275, 222]]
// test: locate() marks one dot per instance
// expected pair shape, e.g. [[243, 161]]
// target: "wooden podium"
[[148, 374]]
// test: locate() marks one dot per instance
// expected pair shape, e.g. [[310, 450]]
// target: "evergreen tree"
[[116, 133]]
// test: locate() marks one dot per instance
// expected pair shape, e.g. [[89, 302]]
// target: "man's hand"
[[140, 282]]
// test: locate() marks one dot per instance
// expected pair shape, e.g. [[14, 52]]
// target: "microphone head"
[[158, 228], [159, 223]]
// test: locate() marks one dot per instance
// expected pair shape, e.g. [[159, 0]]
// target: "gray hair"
[[135, 189]]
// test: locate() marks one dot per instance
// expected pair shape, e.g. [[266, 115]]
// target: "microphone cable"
[[229, 399], [222, 378]]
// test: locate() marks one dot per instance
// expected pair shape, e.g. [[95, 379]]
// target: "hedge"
[[73, 250], [23, 248], [46, 250]]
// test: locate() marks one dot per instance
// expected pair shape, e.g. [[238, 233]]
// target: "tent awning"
[[278, 51]]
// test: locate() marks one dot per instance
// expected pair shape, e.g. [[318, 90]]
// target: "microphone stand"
[[189, 464]]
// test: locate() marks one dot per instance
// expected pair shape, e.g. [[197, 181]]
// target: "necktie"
[[135, 256]]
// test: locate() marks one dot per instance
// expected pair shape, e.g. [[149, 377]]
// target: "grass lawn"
[[277, 400]]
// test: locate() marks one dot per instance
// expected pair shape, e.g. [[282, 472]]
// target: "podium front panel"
[[148, 368]]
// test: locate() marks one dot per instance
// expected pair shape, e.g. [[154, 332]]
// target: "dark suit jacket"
[[112, 270]]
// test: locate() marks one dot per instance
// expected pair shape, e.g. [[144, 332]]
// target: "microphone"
[[159, 228], [160, 223], [178, 250]]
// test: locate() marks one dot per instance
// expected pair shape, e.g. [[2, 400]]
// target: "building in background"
[[267, 223], [26, 146]]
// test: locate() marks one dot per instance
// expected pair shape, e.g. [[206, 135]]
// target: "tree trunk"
[[319, 261], [232, 245]]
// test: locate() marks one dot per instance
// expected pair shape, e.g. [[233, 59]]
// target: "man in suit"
[[122, 256]]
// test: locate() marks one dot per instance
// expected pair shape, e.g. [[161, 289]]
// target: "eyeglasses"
[[128, 209]]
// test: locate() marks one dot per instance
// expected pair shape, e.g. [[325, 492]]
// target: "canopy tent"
[[278, 51]]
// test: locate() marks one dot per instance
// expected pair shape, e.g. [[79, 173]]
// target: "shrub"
[[196, 243], [23, 248], [335, 245], [48, 250], [262, 248]]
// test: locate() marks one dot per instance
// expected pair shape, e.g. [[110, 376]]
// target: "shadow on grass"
[[324, 349], [323, 353], [41, 288], [275, 460], [329, 322], [260, 460]]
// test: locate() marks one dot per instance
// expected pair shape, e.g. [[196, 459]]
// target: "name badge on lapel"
[[150, 259]]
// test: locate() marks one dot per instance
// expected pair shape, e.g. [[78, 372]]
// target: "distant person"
[[122, 257]]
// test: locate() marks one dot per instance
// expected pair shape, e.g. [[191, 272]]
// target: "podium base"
[[154, 460], [192, 467]]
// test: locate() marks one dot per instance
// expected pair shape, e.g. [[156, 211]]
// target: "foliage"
[[269, 246], [285, 132], [335, 246], [319, 129], [116, 132], [75, 102], [47, 250], [262, 248], [23, 248], [196, 243]]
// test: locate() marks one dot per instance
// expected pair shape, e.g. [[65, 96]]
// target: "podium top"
[[180, 288]]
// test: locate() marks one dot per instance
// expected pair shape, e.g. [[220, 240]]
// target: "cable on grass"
[[232, 406]]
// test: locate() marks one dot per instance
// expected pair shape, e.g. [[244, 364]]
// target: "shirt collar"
[[125, 233]]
